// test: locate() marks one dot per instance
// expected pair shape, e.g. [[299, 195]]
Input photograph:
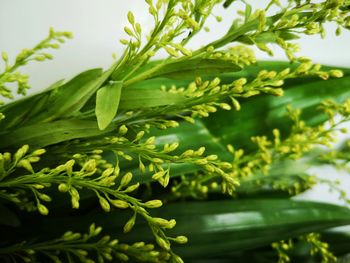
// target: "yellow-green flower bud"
[[158, 175], [63, 188], [104, 204], [126, 179], [132, 188], [42, 209], [153, 204], [163, 243], [119, 204], [131, 18], [39, 152], [129, 225], [21, 152], [123, 130], [181, 239], [107, 172]]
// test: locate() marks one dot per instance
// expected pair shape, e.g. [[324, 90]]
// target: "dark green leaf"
[[219, 228], [8, 218], [227, 3]]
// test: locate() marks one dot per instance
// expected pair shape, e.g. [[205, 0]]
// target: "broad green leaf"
[[218, 228], [107, 102], [193, 68], [148, 94], [260, 115], [144, 98], [25, 109], [44, 134], [69, 97]]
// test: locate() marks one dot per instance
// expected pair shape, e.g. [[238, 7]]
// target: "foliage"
[[193, 131]]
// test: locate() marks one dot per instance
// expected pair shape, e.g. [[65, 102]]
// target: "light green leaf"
[[247, 13], [147, 94], [107, 102]]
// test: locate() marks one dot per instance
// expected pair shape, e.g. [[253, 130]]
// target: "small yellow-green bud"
[[75, 202], [107, 172], [138, 28], [153, 204], [225, 106], [161, 222], [128, 31], [4, 56], [230, 148], [150, 140], [104, 204], [129, 225], [26, 165], [89, 166], [21, 152], [126, 179], [132, 188], [139, 135], [212, 157], [181, 239], [119, 204], [172, 52], [131, 18], [44, 197], [124, 41], [163, 243], [158, 175], [63, 188], [177, 259], [43, 209], [142, 167], [336, 73], [39, 152], [69, 166], [123, 130]]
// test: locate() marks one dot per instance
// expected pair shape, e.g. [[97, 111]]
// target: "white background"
[[98, 26]]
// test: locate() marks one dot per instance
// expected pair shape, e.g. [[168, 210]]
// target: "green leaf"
[[44, 134], [147, 94], [218, 228], [193, 68], [8, 218], [227, 3], [72, 96], [107, 102], [266, 37], [287, 35], [237, 128], [247, 12]]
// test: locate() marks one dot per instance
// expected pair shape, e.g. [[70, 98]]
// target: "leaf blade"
[[107, 103]]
